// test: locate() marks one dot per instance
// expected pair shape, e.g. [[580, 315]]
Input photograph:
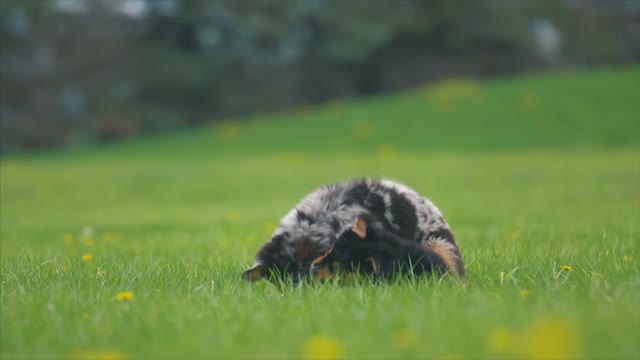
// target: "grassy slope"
[[532, 173]]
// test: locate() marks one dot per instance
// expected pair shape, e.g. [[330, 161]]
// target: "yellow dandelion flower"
[[97, 355], [108, 237], [85, 316], [530, 101], [269, 228], [362, 130], [626, 258], [453, 90], [500, 340], [248, 240], [68, 239], [451, 357], [551, 339], [87, 257], [233, 216], [125, 295], [387, 152], [404, 339], [228, 132], [566, 268], [524, 293], [294, 159], [322, 347], [87, 241], [224, 243], [113, 355]]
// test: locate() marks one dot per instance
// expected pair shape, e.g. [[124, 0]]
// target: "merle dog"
[[387, 210], [382, 254]]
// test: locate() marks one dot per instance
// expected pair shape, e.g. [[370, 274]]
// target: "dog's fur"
[[381, 254], [315, 224]]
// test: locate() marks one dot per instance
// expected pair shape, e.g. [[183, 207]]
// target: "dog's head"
[[284, 259], [293, 247], [351, 253]]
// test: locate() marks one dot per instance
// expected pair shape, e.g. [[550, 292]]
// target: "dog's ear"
[[360, 228], [255, 273]]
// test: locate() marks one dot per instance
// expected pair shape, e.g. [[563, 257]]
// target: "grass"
[[533, 173]]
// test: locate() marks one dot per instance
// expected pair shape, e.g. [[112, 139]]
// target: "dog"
[[389, 210], [380, 253]]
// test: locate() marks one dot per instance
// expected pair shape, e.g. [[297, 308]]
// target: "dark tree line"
[[75, 72]]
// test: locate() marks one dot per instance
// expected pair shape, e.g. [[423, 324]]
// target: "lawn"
[[135, 249]]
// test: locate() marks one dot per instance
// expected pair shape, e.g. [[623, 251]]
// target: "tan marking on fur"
[[374, 264], [324, 273], [446, 251], [360, 228], [320, 259]]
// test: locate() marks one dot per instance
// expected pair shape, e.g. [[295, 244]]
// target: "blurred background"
[[213, 118], [76, 72]]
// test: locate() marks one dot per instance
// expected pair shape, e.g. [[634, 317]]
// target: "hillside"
[[534, 173]]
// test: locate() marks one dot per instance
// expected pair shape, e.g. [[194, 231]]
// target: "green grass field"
[[534, 174]]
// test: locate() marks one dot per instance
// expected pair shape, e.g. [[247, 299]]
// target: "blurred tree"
[[77, 71]]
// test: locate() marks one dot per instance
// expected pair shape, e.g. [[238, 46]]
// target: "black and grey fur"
[[314, 225], [379, 253]]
